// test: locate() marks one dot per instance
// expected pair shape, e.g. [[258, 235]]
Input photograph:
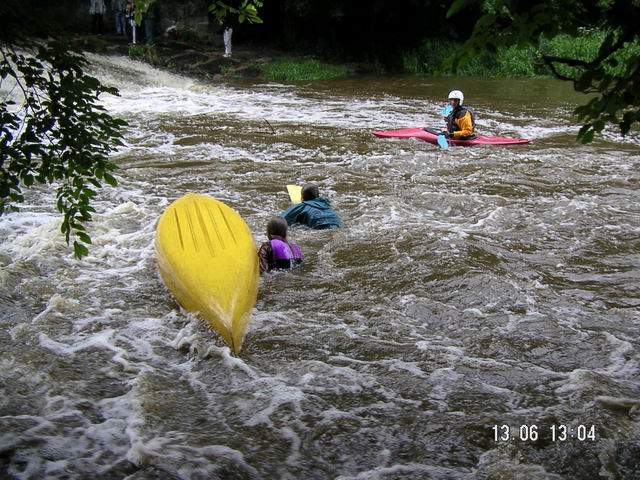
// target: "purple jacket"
[[278, 253]]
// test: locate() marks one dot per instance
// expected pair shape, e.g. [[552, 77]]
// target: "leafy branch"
[[56, 133], [247, 11]]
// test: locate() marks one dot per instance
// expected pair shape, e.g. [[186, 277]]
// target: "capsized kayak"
[[422, 134], [208, 261]]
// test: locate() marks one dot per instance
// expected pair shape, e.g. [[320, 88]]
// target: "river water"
[[470, 289]]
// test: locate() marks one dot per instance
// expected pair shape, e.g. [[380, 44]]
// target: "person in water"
[[314, 211], [278, 252], [461, 121]]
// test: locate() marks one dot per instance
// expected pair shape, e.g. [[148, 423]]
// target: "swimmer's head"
[[310, 192], [277, 226]]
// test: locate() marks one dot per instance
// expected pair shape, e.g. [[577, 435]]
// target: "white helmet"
[[456, 94]]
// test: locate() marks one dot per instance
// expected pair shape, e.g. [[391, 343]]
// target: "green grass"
[[147, 53], [582, 48], [430, 56], [291, 70], [586, 48], [515, 60]]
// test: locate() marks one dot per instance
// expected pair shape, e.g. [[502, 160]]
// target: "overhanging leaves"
[[58, 134], [245, 11]]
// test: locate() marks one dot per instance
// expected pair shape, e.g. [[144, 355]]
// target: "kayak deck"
[[422, 134]]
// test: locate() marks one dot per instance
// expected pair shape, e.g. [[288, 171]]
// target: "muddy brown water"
[[470, 289]]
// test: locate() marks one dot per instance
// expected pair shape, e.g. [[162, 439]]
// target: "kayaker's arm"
[[264, 255], [291, 214]]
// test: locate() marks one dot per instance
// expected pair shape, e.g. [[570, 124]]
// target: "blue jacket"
[[314, 213]]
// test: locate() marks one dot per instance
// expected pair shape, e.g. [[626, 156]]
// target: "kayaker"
[[461, 121], [314, 211], [278, 252]]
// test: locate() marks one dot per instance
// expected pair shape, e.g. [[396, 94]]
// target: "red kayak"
[[422, 134]]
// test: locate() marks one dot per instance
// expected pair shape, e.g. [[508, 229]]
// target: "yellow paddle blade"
[[208, 261], [295, 193]]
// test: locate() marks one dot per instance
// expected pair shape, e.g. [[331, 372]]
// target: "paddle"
[[442, 140], [295, 193]]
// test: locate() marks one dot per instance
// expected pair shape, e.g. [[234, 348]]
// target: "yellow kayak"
[[207, 259]]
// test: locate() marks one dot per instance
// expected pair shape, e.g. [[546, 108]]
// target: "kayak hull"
[[207, 259], [422, 134]]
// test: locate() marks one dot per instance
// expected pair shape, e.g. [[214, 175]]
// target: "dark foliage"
[[359, 30]]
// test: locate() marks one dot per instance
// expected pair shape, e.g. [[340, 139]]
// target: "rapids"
[[470, 288]]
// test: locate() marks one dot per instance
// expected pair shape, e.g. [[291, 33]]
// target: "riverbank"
[[515, 61], [191, 56], [206, 61]]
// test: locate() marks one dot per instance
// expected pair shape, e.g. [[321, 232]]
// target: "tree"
[[613, 75], [54, 131], [245, 10]]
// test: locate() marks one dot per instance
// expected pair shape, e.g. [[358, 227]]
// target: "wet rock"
[[213, 67], [188, 60], [249, 72]]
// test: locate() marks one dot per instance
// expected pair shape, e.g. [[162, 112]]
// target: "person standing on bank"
[[227, 33], [150, 17], [129, 21], [461, 121], [118, 8], [96, 10], [228, 22]]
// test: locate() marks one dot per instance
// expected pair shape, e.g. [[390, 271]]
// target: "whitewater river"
[[470, 289]]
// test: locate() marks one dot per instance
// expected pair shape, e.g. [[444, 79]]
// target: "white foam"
[[279, 395], [408, 469], [147, 91]]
